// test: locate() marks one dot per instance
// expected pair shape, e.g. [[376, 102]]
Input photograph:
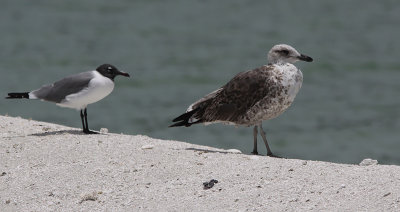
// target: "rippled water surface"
[[178, 51]]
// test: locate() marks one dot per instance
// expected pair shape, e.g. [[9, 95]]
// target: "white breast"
[[99, 87], [292, 78]]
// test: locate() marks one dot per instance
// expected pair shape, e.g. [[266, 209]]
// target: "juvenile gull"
[[251, 96], [77, 91]]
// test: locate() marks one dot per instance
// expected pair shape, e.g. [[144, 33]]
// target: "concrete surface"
[[48, 167]]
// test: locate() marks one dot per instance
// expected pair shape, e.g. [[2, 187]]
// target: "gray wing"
[[57, 91]]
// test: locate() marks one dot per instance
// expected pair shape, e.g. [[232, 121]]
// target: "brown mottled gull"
[[251, 96]]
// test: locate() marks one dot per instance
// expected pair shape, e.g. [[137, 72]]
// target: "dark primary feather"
[[183, 120], [184, 116], [234, 99], [18, 95], [57, 91]]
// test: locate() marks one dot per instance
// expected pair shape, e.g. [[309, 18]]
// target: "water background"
[[178, 51]]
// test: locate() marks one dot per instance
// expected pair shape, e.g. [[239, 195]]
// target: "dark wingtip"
[[179, 124], [179, 118], [183, 120], [182, 124], [18, 95]]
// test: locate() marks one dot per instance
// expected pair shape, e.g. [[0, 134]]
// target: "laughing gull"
[[251, 96], [77, 91]]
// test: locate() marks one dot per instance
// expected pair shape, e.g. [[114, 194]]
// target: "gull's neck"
[[278, 62]]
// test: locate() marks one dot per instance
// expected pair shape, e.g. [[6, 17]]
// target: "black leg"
[[269, 152], [86, 130], [255, 132], [83, 122], [85, 114]]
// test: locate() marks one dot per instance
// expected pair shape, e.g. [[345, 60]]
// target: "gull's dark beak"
[[305, 58], [123, 73]]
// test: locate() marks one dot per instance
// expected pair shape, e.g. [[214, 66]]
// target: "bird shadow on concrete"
[[208, 151], [227, 152], [60, 132]]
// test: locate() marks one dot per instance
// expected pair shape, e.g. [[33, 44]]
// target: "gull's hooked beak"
[[305, 58], [123, 73]]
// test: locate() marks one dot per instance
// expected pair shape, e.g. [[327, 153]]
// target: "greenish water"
[[178, 51]]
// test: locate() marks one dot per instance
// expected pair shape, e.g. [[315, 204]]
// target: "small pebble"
[[103, 130], [208, 185], [368, 162], [254, 157], [46, 128], [90, 196], [148, 146], [387, 194], [234, 151], [304, 163], [2, 174]]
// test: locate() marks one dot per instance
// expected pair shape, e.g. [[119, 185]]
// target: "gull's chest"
[[98, 88], [282, 85], [289, 79]]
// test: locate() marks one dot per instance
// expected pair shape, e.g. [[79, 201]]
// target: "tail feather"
[[24, 95], [183, 120]]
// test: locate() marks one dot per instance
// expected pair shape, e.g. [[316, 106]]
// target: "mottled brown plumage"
[[232, 102], [251, 96]]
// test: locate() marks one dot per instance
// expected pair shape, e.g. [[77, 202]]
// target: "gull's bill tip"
[[305, 58], [123, 74]]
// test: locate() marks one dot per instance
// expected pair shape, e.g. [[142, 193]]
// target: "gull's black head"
[[110, 71]]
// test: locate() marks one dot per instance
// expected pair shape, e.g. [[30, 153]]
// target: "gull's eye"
[[285, 52], [109, 69]]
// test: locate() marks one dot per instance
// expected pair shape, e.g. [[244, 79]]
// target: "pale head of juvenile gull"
[[283, 53]]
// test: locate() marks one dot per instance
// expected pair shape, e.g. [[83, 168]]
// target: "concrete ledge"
[[48, 167]]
